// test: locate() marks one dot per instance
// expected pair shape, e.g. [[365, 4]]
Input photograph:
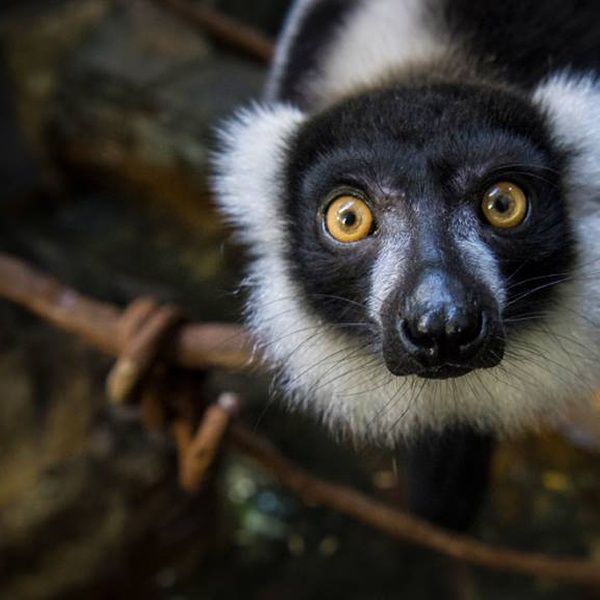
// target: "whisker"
[[414, 398]]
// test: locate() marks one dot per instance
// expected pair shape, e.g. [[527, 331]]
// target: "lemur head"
[[413, 256]]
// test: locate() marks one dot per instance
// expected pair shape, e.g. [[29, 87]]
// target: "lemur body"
[[420, 195]]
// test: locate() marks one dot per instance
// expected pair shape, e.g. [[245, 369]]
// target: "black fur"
[[447, 475], [525, 40]]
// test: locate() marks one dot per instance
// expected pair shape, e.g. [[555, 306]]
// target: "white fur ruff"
[[327, 372]]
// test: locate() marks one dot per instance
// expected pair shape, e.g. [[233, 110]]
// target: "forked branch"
[[208, 346]]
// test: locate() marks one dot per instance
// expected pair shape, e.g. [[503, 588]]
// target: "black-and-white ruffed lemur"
[[420, 195]]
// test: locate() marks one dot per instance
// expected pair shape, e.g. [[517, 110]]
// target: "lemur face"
[[427, 223], [421, 256]]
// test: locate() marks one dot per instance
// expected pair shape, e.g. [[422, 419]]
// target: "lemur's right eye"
[[505, 205], [348, 219]]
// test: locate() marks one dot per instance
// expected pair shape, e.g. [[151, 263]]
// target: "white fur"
[[253, 145], [374, 40], [572, 104]]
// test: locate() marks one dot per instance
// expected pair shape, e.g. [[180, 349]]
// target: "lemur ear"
[[572, 104], [249, 170]]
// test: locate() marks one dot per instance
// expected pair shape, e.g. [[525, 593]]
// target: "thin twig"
[[403, 526], [202, 346], [222, 28], [207, 442]]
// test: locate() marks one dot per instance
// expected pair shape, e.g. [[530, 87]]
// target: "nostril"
[[419, 332], [464, 329]]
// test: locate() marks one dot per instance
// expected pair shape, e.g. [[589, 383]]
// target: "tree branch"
[[196, 346], [404, 526], [228, 346]]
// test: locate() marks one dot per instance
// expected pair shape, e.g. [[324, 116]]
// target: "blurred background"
[[106, 114]]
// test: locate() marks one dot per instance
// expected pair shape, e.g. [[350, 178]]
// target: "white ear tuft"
[[572, 103], [249, 168]]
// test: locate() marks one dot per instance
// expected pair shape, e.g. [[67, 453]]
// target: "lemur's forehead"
[[405, 111], [408, 136]]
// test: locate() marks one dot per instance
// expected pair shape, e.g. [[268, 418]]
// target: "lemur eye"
[[504, 205], [348, 219]]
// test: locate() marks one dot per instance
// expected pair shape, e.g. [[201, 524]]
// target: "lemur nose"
[[441, 336], [440, 324]]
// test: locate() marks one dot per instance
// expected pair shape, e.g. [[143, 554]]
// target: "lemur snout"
[[442, 323]]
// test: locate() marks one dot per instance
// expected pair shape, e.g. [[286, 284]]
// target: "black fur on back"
[[447, 475], [525, 40]]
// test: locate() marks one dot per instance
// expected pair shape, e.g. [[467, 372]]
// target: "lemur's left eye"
[[504, 205], [348, 219]]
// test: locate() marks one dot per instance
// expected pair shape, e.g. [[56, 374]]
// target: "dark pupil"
[[348, 218], [502, 203]]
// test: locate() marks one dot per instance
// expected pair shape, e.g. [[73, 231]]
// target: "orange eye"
[[504, 205], [348, 219]]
